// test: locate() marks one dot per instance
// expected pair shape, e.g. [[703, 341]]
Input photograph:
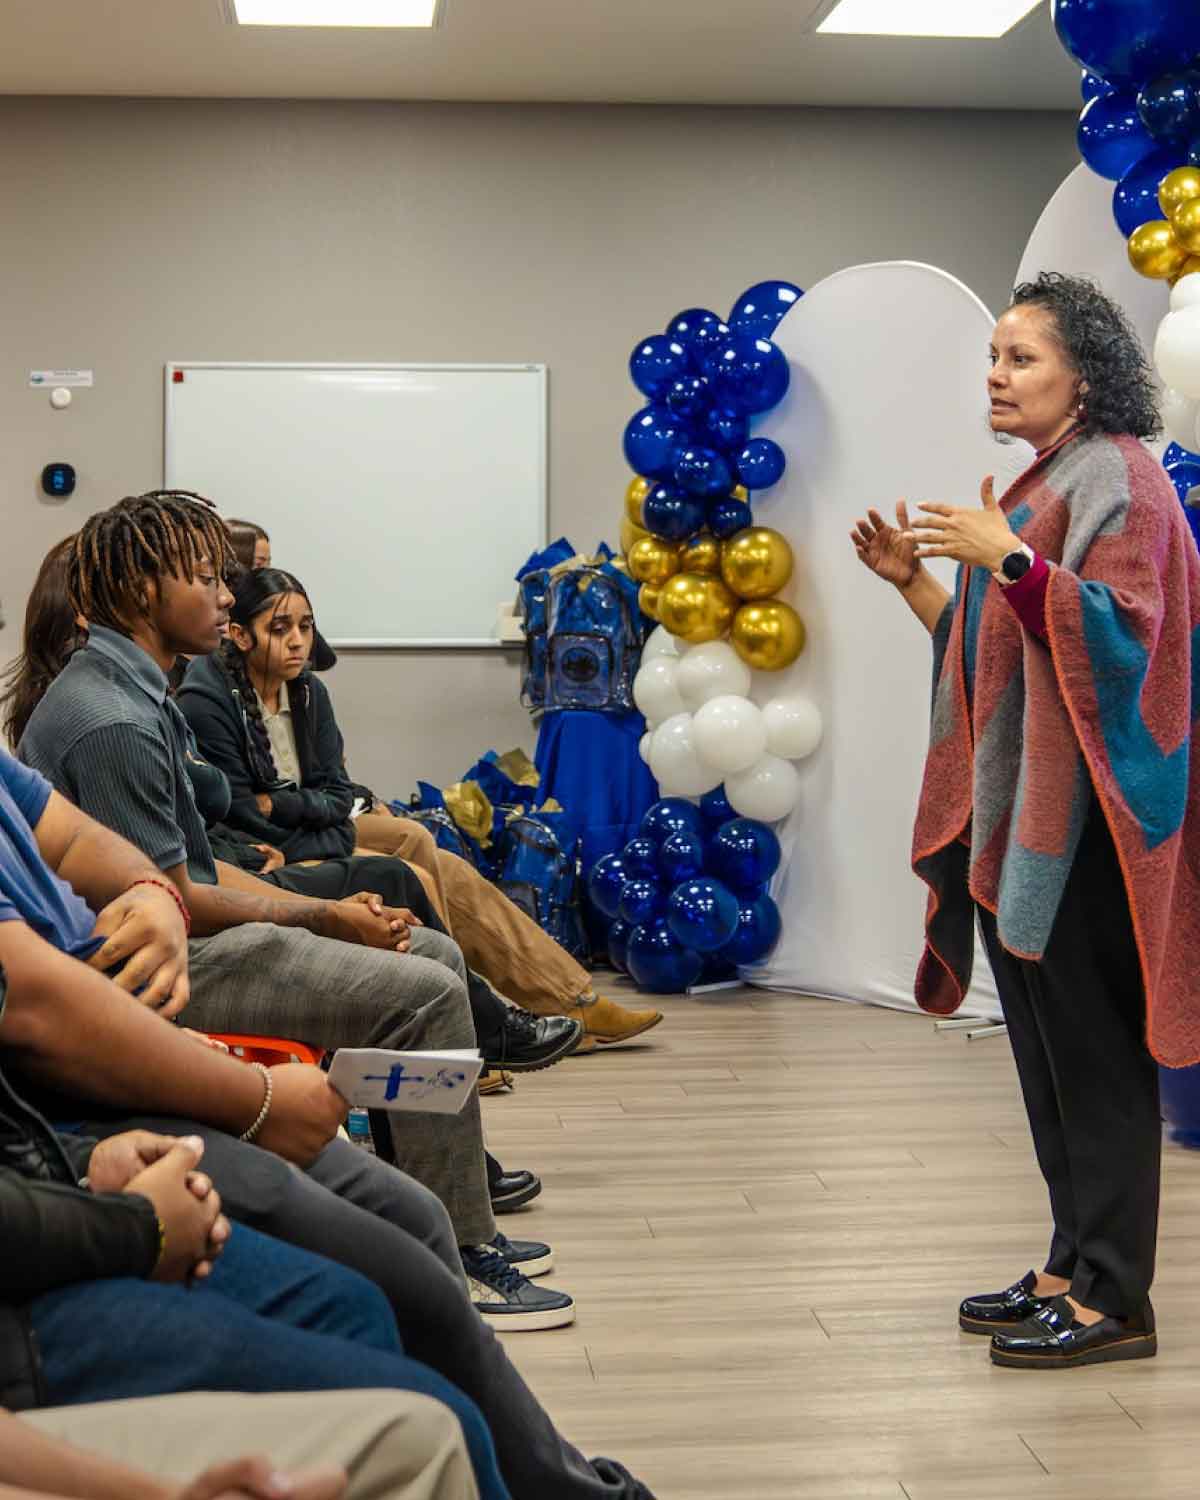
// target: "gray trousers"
[[354, 1209], [394, 1445], [282, 981]]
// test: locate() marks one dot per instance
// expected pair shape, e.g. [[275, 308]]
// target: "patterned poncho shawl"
[[1024, 734]]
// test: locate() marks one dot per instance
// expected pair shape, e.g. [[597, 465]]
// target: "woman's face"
[[262, 553], [1035, 391], [280, 641]]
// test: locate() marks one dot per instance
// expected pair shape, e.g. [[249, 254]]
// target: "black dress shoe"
[[512, 1190], [526, 1043], [1054, 1340], [993, 1312]]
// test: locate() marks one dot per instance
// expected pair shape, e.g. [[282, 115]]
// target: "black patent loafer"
[[995, 1312], [1053, 1340]]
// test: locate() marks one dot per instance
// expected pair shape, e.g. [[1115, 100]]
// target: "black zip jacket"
[[309, 821], [53, 1232]]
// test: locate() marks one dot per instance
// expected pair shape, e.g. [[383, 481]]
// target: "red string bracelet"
[[167, 886]]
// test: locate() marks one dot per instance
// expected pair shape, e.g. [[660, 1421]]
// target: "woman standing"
[[1060, 802]]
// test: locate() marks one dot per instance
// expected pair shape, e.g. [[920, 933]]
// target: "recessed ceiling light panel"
[[950, 18], [380, 13]]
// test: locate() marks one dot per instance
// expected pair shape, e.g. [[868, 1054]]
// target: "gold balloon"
[[768, 636], [696, 607], [1190, 265], [638, 489], [648, 597], [630, 534], [1154, 250], [756, 562], [740, 492], [701, 555], [653, 561], [1177, 188], [1185, 224]]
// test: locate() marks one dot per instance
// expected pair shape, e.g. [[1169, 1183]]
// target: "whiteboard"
[[404, 497]]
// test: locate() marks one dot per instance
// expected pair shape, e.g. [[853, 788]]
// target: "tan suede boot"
[[607, 1022]]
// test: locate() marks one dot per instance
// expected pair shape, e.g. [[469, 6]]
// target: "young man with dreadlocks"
[[146, 575]]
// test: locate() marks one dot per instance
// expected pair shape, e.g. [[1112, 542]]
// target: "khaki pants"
[[497, 939], [395, 1445]]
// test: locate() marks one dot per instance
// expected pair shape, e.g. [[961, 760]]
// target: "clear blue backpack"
[[587, 651], [540, 874]]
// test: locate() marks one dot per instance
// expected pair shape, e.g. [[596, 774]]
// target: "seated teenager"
[[122, 1280], [252, 548], [73, 1029], [145, 575], [260, 716]]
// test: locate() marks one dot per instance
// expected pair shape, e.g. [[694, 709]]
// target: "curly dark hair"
[[1100, 343]]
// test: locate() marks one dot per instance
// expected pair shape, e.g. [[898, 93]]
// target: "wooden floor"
[[768, 1215]]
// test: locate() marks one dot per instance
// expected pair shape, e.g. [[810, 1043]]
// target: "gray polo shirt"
[[107, 736]]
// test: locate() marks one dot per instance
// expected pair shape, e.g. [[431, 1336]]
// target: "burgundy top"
[[1028, 597]]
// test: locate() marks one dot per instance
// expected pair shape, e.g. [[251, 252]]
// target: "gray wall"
[[136, 232]]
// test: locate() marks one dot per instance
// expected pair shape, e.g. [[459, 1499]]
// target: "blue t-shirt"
[[30, 891]]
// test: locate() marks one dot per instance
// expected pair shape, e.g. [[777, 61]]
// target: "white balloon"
[[1177, 350], [644, 745], [1186, 293], [711, 670], [729, 733], [767, 791], [674, 763], [654, 689], [660, 642], [794, 727], [1180, 414]]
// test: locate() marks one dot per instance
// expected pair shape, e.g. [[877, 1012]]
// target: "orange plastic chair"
[[268, 1049]]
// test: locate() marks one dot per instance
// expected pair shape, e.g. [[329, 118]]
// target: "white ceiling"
[[742, 52]]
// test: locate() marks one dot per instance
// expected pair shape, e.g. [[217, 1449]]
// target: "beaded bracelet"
[[169, 887], [261, 1120]]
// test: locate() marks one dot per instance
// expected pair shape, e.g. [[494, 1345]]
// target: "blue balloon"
[[703, 472], [1091, 86], [1128, 41], [618, 946], [761, 308], [726, 429], [1135, 198], [750, 374], [667, 816], [1185, 476], [659, 963], [1111, 136], [606, 882], [707, 343], [703, 914], [758, 929], [715, 807], [689, 397], [642, 901], [681, 858], [656, 363], [744, 853], [760, 464], [653, 441], [1194, 153], [671, 513], [727, 516], [1177, 454], [1170, 107], [684, 326], [639, 859]]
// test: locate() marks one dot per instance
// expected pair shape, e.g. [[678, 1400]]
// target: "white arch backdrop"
[[887, 400]]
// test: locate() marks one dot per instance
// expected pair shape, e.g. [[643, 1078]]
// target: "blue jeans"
[[270, 1318]]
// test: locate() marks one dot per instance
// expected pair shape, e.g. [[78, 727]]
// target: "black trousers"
[[1076, 1021], [398, 885]]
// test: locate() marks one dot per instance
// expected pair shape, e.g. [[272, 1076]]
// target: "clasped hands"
[[979, 538]]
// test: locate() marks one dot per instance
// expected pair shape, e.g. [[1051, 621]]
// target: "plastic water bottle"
[[358, 1128]]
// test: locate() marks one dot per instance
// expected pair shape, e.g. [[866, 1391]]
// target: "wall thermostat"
[[58, 480]]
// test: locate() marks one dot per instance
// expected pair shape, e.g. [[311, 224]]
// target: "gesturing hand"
[[979, 538], [258, 1479], [888, 551], [143, 932]]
